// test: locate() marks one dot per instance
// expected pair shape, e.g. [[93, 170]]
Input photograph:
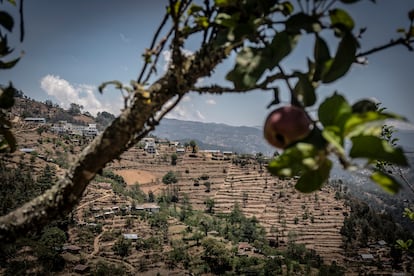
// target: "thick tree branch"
[[66, 193]]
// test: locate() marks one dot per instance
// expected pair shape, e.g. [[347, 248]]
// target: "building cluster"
[[63, 127], [108, 212]]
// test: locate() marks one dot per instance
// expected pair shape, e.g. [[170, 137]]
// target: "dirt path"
[[91, 201], [96, 245]]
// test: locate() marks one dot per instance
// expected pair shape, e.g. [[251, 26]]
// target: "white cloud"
[[185, 110], [211, 102], [167, 57], [199, 116], [82, 94]]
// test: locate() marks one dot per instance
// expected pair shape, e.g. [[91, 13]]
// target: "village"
[[131, 218]]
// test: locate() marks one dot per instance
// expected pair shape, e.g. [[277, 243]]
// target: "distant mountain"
[[240, 139]]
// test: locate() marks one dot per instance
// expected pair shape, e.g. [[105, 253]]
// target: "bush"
[[169, 178]]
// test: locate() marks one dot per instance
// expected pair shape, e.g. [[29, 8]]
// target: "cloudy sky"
[[71, 47]]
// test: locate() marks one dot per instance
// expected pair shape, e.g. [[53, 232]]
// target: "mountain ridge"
[[241, 139]]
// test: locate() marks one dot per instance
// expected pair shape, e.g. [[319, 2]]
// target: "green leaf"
[[252, 62], [321, 55], [386, 181], [194, 9], [304, 90], [357, 120], [9, 64], [341, 19], [282, 44], [224, 3], [333, 135], [334, 111], [375, 148], [117, 84], [343, 60], [313, 180], [302, 21], [287, 8], [250, 66], [291, 161], [364, 105], [202, 21], [227, 20], [6, 21]]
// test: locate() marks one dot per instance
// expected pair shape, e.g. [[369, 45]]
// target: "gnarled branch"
[[66, 193]]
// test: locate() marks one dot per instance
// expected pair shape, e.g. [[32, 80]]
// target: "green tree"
[[169, 178], [53, 237], [174, 159], [122, 246], [216, 256], [193, 146], [75, 109], [209, 205]]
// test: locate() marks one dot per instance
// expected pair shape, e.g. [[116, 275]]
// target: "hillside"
[[220, 214], [239, 139]]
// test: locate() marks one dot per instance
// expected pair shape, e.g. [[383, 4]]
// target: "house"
[[132, 237], [74, 249], [35, 120], [148, 140], [105, 186], [149, 207], [227, 155], [81, 269], [150, 147], [27, 150], [90, 131], [174, 143], [244, 246], [367, 257], [109, 214], [217, 156], [213, 233], [180, 150], [382, 243]]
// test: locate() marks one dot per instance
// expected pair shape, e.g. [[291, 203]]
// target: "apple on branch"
[[286, 125]]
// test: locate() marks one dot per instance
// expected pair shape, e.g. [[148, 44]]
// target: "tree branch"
[[392, 43], [65, 194]]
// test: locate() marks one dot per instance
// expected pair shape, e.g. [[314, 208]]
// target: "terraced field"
[[314, 220]]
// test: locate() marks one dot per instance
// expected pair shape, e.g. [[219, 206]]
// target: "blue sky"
[[71, 47]]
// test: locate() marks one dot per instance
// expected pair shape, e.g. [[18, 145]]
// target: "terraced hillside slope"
[[314, 220]]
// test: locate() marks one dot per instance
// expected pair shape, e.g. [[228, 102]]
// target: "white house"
[[90, 130], [150, 147], [35, 120], [133, 237]]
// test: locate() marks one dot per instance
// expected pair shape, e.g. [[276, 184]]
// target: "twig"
[[392, 43], [21, 21], [160, 47], [293, 99], [154, 39]]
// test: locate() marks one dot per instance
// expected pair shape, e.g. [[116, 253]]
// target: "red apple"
[[286, 125]]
